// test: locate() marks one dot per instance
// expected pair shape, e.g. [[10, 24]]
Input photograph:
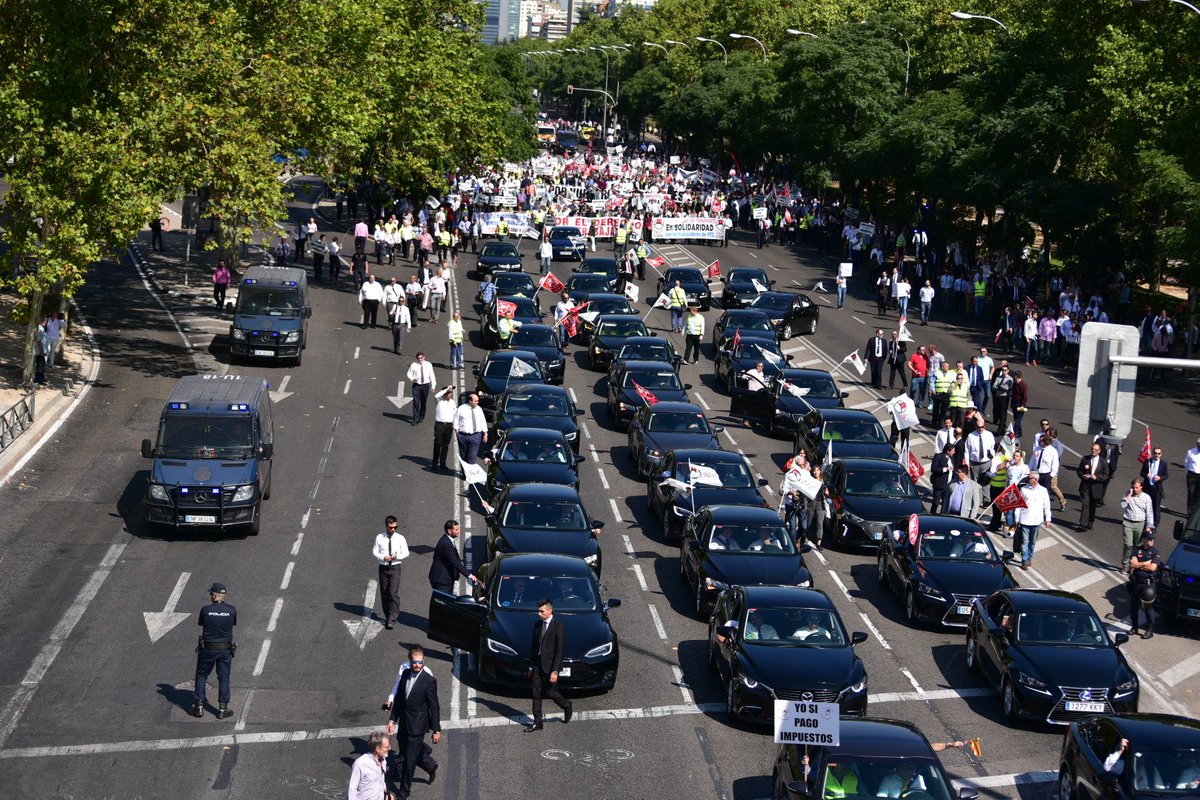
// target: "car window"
[[755, 350], [751, 539], [540, 404], [867, 431], [818, 387], [659, 379], [964, 545], [645, 352], [1170, 772], [750, 323], [588, 281], [879, 483], [206, 436], [513, 280], [678, 422], [788, 626], [916, 779], [535, 451], [608, 305], [1059, 628], [724, 476], [534, 338], [554, 516], [622, 327]]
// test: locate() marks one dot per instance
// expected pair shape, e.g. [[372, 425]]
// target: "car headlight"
[[555, 364], [597, 652], [929, 591], [570, 437], [749, 682], [1127, 688], [159, 492], [500, 647], [716, 586], [244, 493], [292, 337], [238, 334], [857, 688], [592, 560], [596, 350], [1030, 682]]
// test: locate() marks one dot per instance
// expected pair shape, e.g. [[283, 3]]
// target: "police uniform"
[[1138, 580], [216, 648]]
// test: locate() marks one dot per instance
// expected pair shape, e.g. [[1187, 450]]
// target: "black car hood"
[[612, 342], [967, 577], [882, 509], [798, 667], [266, 322], [801, 405], [689, 287], [496, 386], [1074, 666], [535, 472], [843, 449], [500, 260], [665, 442], [203, 472], [544, 354], [583, 631], [740, 285], [571, 543], [703, 496], [630, 397], [564, 424], [749, 569]]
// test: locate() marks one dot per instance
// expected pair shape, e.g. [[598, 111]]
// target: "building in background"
[[544, 19]]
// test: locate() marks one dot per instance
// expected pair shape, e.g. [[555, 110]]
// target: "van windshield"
[[204, 436], [270, 302]]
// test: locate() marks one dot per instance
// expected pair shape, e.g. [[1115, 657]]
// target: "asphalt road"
[[81, 677]]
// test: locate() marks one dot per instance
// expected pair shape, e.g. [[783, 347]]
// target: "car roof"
[[946, 522], [535, 388], [531, 434], [798, 372], [709, 456], [645, 340], [1158, 731], [845, 415], [755, 270], [563, 229], [606, 295], [789, 295], [885, 738], [753, 515], [643, 365], [499, 245], [767, 595], [885, 464], [541, 491], [539, 563], [589, 276], [509, 355], [600, 260], [685, 270], [1047, 600], [618, 318], [676, 406]]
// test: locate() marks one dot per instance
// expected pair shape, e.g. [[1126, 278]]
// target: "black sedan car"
[[599, 265], [647, 348], [601, 304], [1161, 760], [542, 341], [536, 405], [790, 313], [726, 546], [511, 285], [739, 286], [582, 285], [693, 283], [531, 455], [499, 625], [658, 378], [525, 311], [773, 643], [733, 362], [748, 321], [498, 257], [500, 368], [847, 431], [1050, 656], [791, 396], [875, 758], [609, 333], [1179, 578], [868, 496], [940, 565], [568, 242], [693, 479], [537, 518], [667, 426]]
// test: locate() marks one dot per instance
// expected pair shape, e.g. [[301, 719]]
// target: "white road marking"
[[803, 364], [313, 495], [1086, 579], [300, 535], [841, 585], [820, 556], [658, 626], [287, 577], [772, 266], [729, 436], [787, 351], [628, 544], [1181, 671], [356, 353], [1014, 779], [882, 641], [616, 511], [856, 319], [346, 389], [586, 430], [262, 657], [754, 255], [466, 522], [241, 723], [912, 679], [935, 694], [637, 571], [866, 404], [700, 399], [683, 687], [571, 391], [275, 615], [603, 479]]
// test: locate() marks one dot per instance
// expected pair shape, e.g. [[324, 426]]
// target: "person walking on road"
[[1143, 572], [401, 322], [549, 640], [454, 329], [470, 425], [444, 410], [370, 295], [678, 299], [1191, 462], [1137, 517], [390, 550], [939, 477], [368, 776], [695, 332], [447, 563], [874, 353], [1092, 471], [964, 497], [897, 357], [420, 374], [1154, 473], [215, 649], [221, 278], [415, 712], [1030, 519]]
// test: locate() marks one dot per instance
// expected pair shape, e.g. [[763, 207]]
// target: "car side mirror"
[[787, 358], [612, 603], [798, 790], [845, 395], [687, 387], [307, 312], [265, 451], [718, 429], [579, 459], [858, 637], [968, 793], [1007, 555], [1121, 638], [597, 524], [475, 371], [727, 631], [1179, 530], [147, 448], [579, 412], [763, 482]]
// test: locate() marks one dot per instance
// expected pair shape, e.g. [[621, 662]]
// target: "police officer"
[[216, 648], [1143, 572]]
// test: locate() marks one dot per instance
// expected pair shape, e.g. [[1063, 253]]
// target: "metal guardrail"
[[16, 420]]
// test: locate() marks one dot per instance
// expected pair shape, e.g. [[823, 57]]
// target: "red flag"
[[656, 261], [1010, 499], [915, 470], [1144, 456], [737, 339], [645, 394], [714, 269], [551, 283], [571, 319], [1029, 304], [506, 309]]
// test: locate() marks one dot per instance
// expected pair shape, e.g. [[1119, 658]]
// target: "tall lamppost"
[[751, 38], [604, 115], [655, 44], [685, 45], [798, 32], [965, 15], [718, 44], [907, 54]]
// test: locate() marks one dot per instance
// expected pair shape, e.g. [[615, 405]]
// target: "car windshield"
[[764, 539], [543, 405], [817, 627], [1191, 531], [524, 307], [750, 322], [503, 368], [730, 475], [495, 249], [658, 379], [275, 302], [645, 351], [608, 305], [866, 431], [1059, 627], [772, 303], [513, 281], [747, 275], [683, 276], [588, 282], [563, 231], [754, 349], [534, 338], [550, 516], [915, 779], [1167, 772], [622, 327], [963, 545], [598, 265], [818, 387], [546, 452], [879, 483], [678, 422], [568, 593], [206, 436]]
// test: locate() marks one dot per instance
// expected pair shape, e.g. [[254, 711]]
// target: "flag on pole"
[[703, 476], [714, 269], [645, 393], [770, 357], [678, 485], [855, 359], [820, 287], [551, 283], [828, 455], [519, 368], [663, 301], [758, 285], [1010, 499], [1144, 455], [506, 309], [905, 335], [976, 747], [473, 473], [915, 470], [794, 390], [632, 292], [736, 342]]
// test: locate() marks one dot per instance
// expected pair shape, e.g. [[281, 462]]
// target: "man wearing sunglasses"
[[415, 711]]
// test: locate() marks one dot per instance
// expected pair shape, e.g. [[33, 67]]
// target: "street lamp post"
[[965, 15], [798, 32], [604, 115], [686, 46], [751, 38], [655, 44], [718, 44]]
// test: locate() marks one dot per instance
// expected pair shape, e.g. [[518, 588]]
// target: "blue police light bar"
[[183, 490], [250, 280], [178, 406], [292, 283], [239, 407]]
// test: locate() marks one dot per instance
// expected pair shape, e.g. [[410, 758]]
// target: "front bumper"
[[1178, 596], [867, 534], [601, 358], [210, 517], [757, 705], [952, 611], [1051, 704], [272, 350], [586, 673]]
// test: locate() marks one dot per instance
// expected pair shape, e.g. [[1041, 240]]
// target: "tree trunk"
[[31, 327]]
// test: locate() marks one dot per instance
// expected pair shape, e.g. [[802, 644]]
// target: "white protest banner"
[[807, 723], [674, 160], [663, 301], [846, 269], [708, 176], [516, 222], [851, 213], [703, 476], [759, 213], [473, 472], [687, 228], [903, 411], [808, 485], [866, 229], [606, 227], [905, 334], [855, 359]]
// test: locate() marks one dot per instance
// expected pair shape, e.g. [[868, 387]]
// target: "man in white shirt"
[[988, 365], [443, 425], [415, 292], [470, 426], [561, 309], [401, 322], [546, 253], [370, 295], [390, 550], [1191, 462], [368, 777], [1030, 519], [981, 448], [420, 374]]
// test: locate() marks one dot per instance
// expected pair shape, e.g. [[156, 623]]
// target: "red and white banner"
[[712, 228], [606, 227]]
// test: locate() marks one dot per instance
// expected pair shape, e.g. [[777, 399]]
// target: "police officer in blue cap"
[[216, 648]]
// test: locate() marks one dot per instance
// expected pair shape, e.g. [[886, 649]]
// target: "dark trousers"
[[1155, 493], [415, 753], [876, 372], [691, 350], [420, 400], [1193, 487], [318, 266], [937, 501], [542, 687], [1000, 411], [898, 369], [1089, 493], [370, 312], [389, 592], [1137, 608], [205, 661], [219, 290], [360, 244], [468, 446], [441, 442]]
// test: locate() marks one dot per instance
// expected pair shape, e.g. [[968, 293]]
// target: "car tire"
[[682, 565], [256, 526], [729, 703], [296, 361], [1008, 696], [699, 600], [910, 607], [666, 523], [880, 569], [787, 331], [972, 652], [712, 655], [1066, 784], [812, 328]]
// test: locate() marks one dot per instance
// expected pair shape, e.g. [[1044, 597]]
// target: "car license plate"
[[264, 352], [1193, 612], [565, 672], [1089, 708], [200, 519], [962, 611]]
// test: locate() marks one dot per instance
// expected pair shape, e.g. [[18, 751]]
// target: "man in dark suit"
[[875, 352], [940, 471], [1154, 474], [1093, 472], [415, 711], [546, 656], [897, 357], [447, 564]]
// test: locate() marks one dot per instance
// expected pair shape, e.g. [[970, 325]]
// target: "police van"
[[212, 457], [270, 320]]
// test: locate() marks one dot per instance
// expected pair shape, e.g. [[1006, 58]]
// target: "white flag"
[[794, 390], [855, 359], [678, 485], [431, 201], [520, 368], [905, 336], [632, 291], [770, 357], [703, 476], [807, 484], [758, 285], [820, 287], [473, 472], [663, 301], [828, 454], [590, 316], [903, 411]]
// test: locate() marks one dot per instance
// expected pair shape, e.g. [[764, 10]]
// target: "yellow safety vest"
[[406, 232], [502, 228], [980, 288], [444, 237], [456, 331], [678, 297], [845, 787], [695, 325], [943, 383], [642, 252], [1000, 479], [960, 395], [621, 235]]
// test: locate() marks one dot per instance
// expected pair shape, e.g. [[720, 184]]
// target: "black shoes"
[[197, 709], [537, 726], [433, 774], [224, 713], [387, 626], [568, 714], [1148, 634]]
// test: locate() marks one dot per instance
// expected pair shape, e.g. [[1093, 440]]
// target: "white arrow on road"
[[399, 400], [160, 623], [362, 631], [282, 393]]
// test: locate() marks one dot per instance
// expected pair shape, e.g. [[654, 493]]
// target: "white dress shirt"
[[394, 545], [1037, 511], [444, 410], [401, 316], [1045, 460], [368, 779], [944, 437], [371, 290], [981, 446], [392, 293], [469, 419], [1192, 460], [420, 372]]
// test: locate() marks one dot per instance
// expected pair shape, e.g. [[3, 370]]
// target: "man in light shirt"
[[470, 425], [368, 778], [420, 373], [1137, 516], [1192, 463], [370, 295], [401, 322], [1030, 519], [443, 425], [390, 550]]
